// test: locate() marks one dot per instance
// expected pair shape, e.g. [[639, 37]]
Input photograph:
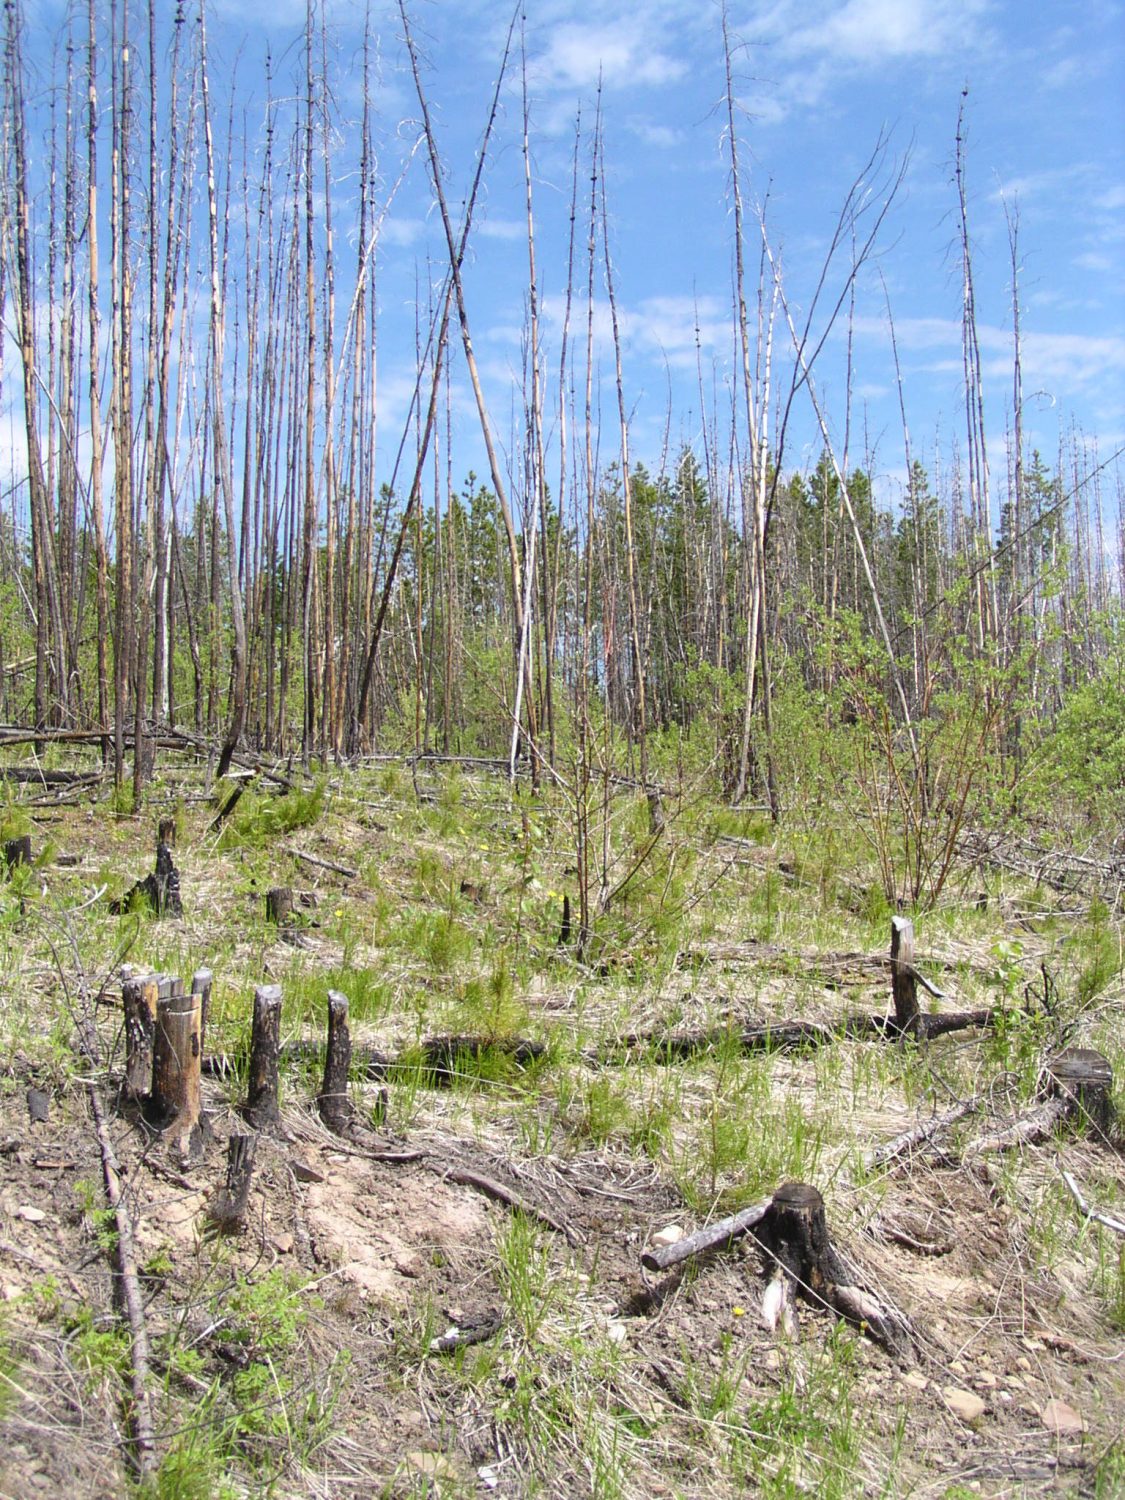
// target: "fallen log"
[[128, 1288], [922, 1135], [508, 1196], [711, 1237], [1077, 1086]]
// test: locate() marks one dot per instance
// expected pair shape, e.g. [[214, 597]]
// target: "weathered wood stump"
[[227, 1210], [279, 904], [17, 852], [1083, 1079], [1077, 1085], [261, 1109], [336, 1109], [139, 997], [175, 1104]]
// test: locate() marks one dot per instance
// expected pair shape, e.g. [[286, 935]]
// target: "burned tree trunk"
[[175, 1105], [265, 1049], [336, 1109], [139, 998]]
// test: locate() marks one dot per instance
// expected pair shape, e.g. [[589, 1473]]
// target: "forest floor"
[[297, 1357]]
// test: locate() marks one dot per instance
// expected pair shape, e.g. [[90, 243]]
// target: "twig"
[[501, 1194], [144, 1440], [922, 1134], [325, 864], [1109, 1222]]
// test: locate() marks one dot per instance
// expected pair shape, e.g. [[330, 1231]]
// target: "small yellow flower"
[[339, 912], [738, 1312]]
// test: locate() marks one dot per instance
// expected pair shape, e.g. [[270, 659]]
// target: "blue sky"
[[818, 83]]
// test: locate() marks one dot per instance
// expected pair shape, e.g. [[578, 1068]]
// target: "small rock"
[[408, 1263], [9, 1292], [1061, 1418], [957, 1367], [964, 1404], [915, 1380], [304, 1171], [671, 1234], [32, 1215], [986, 1380], [1023, 1363], [617, 1333], [434, 1464], [283, 1244]]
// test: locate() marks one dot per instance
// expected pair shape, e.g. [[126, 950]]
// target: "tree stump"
[[336, 1109], [261, 1109], [139, 998], [175, 1104], [1083, 1078], [795, 1235], [228, 1209], [166, 883], [795, 1232], [908, 1018], [17, 851], [279, 904]]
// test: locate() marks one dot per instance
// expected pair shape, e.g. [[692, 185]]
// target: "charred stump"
[[336, 1109], [279, 905], [160, 889], [803, 1261], [228, 1208], [1083, 1079], [261, 1109], [17, 852], [139, 998]]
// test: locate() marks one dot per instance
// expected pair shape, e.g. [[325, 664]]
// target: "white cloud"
[[1055, 360], [807, 48], [663, 137], [502, 229], [622, 54], [402, 232], [870, 31]]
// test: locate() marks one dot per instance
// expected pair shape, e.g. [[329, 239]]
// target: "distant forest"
[[198, 540]]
